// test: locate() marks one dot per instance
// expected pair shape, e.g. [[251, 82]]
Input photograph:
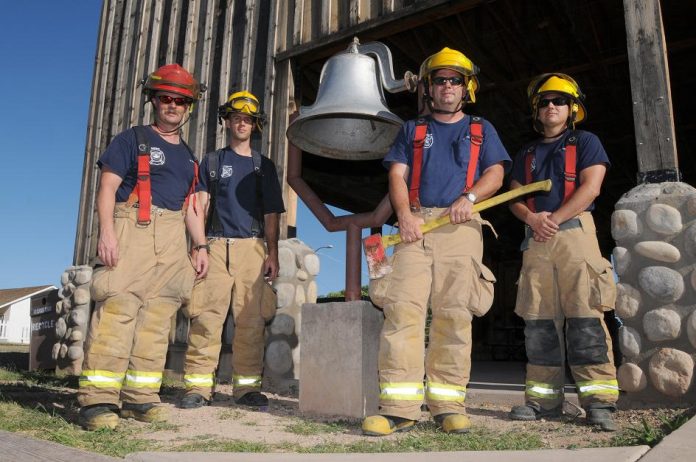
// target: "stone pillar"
[[654, 226], [73, 311], [340, 343], [294, 286]]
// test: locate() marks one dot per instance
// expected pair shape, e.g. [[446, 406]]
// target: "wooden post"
[[652, 99]]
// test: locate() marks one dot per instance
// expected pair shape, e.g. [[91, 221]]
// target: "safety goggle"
[[454, 81], [245, 105], [178, 100], [557, 101], [237, 118]]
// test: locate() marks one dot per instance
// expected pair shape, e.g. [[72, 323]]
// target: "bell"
[[349, 119]]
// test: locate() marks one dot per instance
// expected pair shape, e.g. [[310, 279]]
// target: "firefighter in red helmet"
[[143, 275]]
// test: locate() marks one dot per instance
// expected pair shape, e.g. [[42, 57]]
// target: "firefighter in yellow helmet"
[[439, 165], [241, 195], [144, 275], [565, 285]]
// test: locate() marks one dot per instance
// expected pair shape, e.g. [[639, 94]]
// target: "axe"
[[376, 244]]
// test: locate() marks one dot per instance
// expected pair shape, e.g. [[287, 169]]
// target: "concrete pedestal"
[[340, 343]]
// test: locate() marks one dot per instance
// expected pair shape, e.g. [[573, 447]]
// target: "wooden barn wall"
[[228, 45], [222, 42]]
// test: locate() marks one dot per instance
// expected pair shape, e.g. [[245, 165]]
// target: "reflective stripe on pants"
[[401, 391]]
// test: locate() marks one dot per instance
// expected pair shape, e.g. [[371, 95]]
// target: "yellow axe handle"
[[393, 239]]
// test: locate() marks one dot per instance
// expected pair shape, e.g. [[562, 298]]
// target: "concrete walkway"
[[629, 454], [680, 446]]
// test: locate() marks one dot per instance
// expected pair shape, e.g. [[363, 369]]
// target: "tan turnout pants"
[[135, 301], [445, 269], [234, 280], [564, 289]]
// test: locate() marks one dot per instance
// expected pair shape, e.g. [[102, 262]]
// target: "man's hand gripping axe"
[[376, 244]]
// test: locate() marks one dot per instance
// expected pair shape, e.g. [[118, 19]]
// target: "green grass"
[[52, 427], [230, 414], [36, 378], [649, 434], [425, 438], [224, 446], [305, 427]]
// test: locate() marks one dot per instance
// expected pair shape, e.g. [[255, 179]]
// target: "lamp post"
[[328, 246]]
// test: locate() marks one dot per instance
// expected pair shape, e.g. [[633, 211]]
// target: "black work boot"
[[193, 401], [253, 398], [600, 415], [532, 411]]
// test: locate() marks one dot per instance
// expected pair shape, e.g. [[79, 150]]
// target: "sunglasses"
[[179, 101], [557, 101], [454, 81]]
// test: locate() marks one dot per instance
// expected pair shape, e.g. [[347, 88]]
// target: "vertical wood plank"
[[652, 98], [142, 48], [123, 75], [190, 47], [85, 217], [153, 58], [298, 21], [354, 12], [225, 67], [173, 31], [204, 75], [250, 31], [308, 19]]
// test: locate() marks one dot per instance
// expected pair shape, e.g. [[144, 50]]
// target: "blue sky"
[[47, 51]]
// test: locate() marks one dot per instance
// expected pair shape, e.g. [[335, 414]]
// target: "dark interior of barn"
[[511, 42]]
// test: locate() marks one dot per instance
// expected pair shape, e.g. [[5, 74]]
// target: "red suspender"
[[142, 193], [570, 166], [418, 142], [476, 130], [569, 173]]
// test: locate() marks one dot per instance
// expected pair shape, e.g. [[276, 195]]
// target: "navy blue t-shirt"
[[236, 197], [171, 168], [446, 158], [549, 162]]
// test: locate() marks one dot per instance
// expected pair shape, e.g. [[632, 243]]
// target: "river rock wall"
[[73, 314], [295, 285], [654, 226]]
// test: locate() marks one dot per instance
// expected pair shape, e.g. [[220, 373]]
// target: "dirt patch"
[[282, 425]]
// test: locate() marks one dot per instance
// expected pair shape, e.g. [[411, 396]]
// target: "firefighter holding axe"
[[439, 166]]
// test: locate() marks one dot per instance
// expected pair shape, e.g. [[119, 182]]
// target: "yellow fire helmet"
[[242, 102], [448, 58], [557, 83]]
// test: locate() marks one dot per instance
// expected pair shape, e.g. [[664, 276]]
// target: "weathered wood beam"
[[403, 19], [650, 89]]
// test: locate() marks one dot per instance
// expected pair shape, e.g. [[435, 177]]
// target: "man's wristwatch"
[[471, 197], [202, 246]]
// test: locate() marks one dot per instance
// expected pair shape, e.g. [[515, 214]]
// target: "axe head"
[[377, 262]]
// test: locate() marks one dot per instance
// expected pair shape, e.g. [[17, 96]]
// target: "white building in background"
[[15, 320]]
